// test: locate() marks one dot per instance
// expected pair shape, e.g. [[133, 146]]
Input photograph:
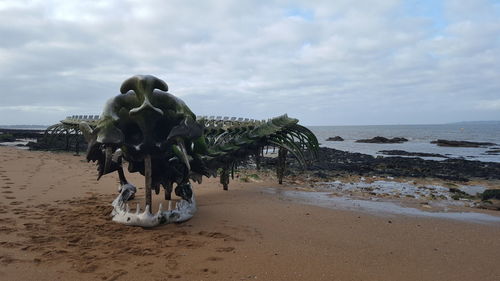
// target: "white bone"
[[183, 211]]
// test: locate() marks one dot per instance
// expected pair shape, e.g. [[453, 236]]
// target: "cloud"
[[488, 105], [37, 109], [325, 62]]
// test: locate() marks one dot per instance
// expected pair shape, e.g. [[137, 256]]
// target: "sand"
[[55, 225]]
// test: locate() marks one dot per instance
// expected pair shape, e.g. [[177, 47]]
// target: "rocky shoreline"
[[334, 161], [15, 134]]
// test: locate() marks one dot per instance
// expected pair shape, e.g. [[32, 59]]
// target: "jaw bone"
[[183, 211]]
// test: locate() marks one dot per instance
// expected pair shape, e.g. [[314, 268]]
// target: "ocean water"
[[419, 138]]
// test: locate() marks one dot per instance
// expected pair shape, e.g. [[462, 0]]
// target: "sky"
[[325, 62]]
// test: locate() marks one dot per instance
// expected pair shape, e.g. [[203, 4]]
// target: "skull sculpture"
[[157, 134]]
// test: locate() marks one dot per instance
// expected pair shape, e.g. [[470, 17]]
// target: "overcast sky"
[[339, 62]]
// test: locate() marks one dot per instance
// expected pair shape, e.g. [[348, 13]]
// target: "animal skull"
[[146, 123]]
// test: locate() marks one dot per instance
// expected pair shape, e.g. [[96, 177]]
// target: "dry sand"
[[55, 225]]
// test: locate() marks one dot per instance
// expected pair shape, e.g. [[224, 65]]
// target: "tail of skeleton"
[[231, 142]]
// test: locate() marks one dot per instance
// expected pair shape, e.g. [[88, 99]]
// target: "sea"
[[419, 139]]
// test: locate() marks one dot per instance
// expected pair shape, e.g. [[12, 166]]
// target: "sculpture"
[[160, 137]]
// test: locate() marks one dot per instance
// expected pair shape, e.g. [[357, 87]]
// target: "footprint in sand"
[[87, 268], [214, 259], [213, 271], [116, 274], [188, 244], [7, 191], [9, 197], [5, 186], [7, 230], [224, 249], [7, 220], [219, 235], [6, 259], [15, 203]]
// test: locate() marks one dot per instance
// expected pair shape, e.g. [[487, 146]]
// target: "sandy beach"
[[55, 225]]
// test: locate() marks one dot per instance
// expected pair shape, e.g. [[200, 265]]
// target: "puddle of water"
[[472, 189], [323, 199], [381, 187], [401, 189]]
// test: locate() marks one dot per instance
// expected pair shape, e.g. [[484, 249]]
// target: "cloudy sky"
[[339, 62]]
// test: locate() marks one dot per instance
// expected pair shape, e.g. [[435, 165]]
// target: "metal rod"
[[147, 175]]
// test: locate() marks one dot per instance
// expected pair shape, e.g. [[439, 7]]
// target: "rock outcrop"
[[336, 138], [406, 153], [451, 143], [379, 139]]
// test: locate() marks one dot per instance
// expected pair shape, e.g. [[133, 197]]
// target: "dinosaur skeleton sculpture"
[[159, 137]]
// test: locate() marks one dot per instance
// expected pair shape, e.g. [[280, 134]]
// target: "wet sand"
[[55, 225]]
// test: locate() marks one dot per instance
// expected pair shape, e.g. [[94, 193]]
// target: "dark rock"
[[58, 143], [337, 162], [21, 134], [406, 153], [492, 152], [383, 140], [321, 174], [7, 138], [336, 138], [451, 143], [491, 194], [459, 194], [492, 204]]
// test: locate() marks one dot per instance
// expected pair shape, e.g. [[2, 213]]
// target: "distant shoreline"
[[493, 122]]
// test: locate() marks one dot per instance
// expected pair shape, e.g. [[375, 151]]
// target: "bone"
[[183, 211], [138, 209], [146, 211], [116, 155], [107, 161]]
